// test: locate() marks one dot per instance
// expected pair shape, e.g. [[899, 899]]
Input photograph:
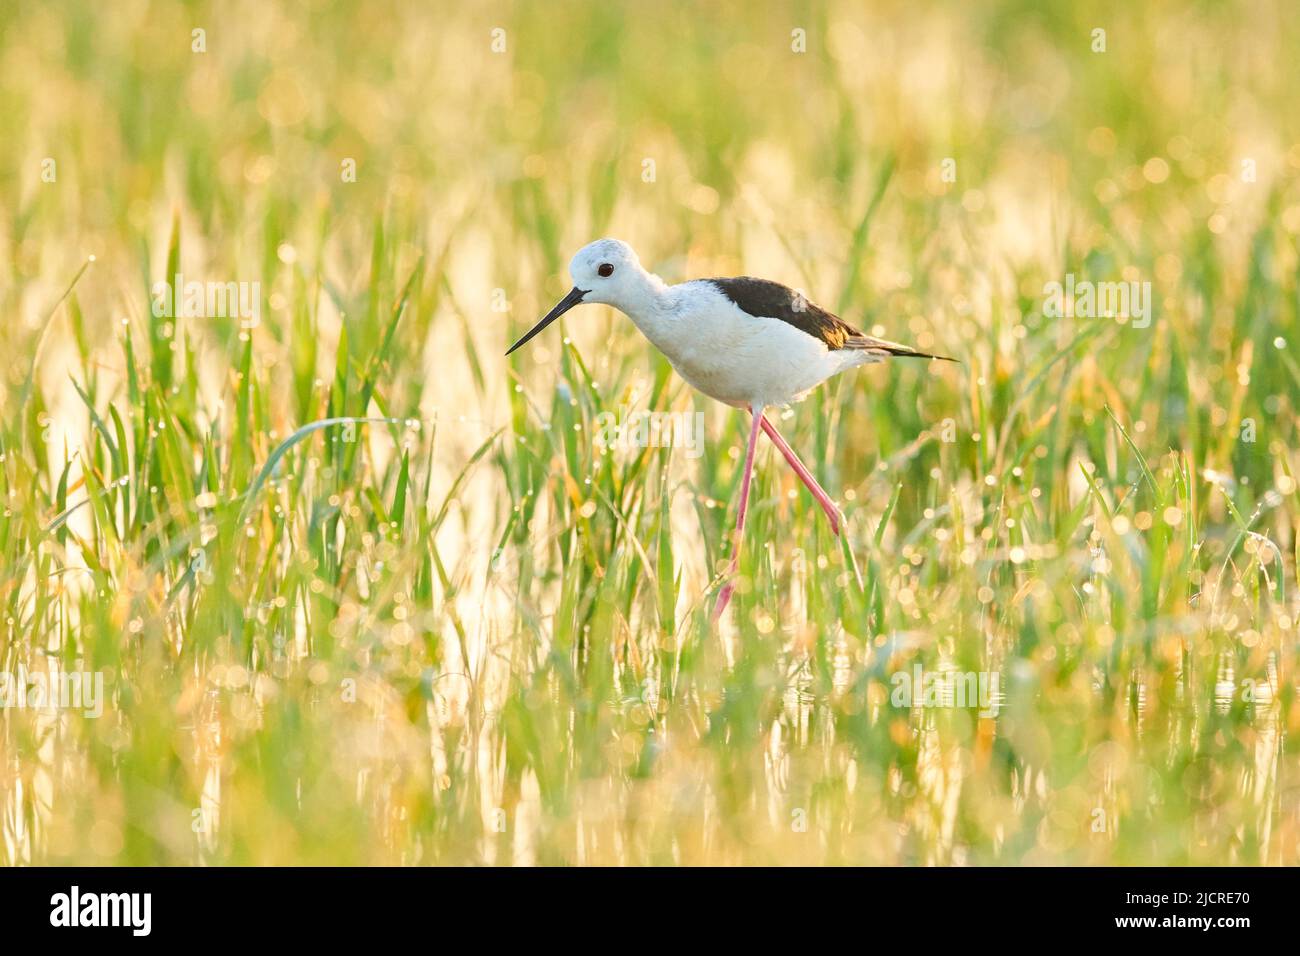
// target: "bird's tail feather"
[[912, 353], [872, 344]]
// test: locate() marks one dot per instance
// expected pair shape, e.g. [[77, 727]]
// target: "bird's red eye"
[[605, 270]]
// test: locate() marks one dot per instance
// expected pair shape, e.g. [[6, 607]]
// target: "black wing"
[[761, 297]]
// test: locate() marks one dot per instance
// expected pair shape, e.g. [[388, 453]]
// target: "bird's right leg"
[[724, 596], [823, 499]]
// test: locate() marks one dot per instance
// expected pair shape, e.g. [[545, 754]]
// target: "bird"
[[749, 343]]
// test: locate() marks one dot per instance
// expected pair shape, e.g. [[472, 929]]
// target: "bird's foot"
[[832, 515], [724, 597]]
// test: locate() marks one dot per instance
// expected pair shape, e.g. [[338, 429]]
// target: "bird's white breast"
[[735, 357]]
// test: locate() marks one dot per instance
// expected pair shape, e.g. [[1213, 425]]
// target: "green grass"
[[363, 591]]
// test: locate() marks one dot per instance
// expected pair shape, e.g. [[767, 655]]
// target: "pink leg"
[[805, 475], [725, 594]]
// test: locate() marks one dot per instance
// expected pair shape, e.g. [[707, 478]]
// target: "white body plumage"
[[730, 355]]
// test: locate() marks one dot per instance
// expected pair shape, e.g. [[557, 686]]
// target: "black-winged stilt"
[[747, 342]]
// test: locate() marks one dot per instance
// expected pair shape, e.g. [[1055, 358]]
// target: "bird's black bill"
[[564, 305]]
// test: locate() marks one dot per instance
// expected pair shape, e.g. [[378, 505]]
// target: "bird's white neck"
[[645, 299]]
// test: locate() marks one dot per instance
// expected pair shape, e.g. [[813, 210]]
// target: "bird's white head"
[[606, 271]]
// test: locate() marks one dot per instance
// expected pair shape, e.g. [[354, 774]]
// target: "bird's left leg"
[[725, 594], [806, 476]]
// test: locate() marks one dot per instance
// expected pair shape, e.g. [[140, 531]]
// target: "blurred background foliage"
[[450, 628]]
